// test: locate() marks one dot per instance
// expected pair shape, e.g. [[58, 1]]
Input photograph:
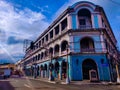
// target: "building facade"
[[78, 41], [6, 67]]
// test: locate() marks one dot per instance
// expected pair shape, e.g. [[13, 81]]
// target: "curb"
[[43, 80], [75, 83]]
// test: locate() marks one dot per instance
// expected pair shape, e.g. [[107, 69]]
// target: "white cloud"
[[21, 24]]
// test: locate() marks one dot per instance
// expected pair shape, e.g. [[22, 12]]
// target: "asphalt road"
[[24, 84]]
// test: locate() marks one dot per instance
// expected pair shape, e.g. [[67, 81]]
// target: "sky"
[[27, 19]]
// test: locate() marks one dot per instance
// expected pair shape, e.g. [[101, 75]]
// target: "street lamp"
[[67, 76]]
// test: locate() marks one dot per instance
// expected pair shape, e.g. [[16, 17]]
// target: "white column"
[[60, 71], [60, 49], [102, 42], [53, 51], [53, 33], [77, 22], [60, 28], [48, 36], [92, 19], [71, 44], [69, 21]]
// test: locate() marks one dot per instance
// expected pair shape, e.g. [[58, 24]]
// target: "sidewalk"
[[85, 82], [40, 79]]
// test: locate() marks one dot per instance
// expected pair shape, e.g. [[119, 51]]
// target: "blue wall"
[[96, 21], [74, 24], [76, 70], [96, 38]]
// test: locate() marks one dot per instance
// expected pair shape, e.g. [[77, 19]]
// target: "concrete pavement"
[[85, 82], [33, 84]]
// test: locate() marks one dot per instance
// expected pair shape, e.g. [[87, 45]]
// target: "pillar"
[[60, 28], [69, 21], [60, 70], [74, 21]]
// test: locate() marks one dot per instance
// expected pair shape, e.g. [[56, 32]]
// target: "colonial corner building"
[[78, 45]]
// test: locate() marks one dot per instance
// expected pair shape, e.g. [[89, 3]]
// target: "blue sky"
[[19, 19]]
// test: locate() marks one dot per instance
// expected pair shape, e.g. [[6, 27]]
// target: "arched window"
[[84, 19], [42, 55], [51, 50], [87, 45], [45, 54], [38, 56], [56, 50], [64, 45]]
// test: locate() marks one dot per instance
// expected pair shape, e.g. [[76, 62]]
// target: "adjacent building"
[[6, 68], [79, 40]]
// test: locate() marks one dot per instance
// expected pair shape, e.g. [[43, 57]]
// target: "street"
[[24, 84]]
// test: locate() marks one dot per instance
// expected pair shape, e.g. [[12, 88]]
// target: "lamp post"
[[67, 78]]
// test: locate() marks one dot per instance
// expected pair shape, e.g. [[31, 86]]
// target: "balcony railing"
[[72, 51], [85, 26]]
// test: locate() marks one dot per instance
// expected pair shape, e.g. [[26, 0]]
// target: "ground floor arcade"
[[79, 67]]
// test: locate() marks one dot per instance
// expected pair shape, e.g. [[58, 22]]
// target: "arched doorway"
[[64, 69], [38, 70], [56, 69], [87, 45], [88, 65], [45, 70], [51, 50], [51, 71], [41, 70]]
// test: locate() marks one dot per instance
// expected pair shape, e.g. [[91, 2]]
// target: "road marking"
[[27, 85]]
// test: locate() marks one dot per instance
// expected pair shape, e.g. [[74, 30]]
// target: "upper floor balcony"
[[84, 19]]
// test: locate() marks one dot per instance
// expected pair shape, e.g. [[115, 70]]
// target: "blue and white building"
[[80, 38]]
